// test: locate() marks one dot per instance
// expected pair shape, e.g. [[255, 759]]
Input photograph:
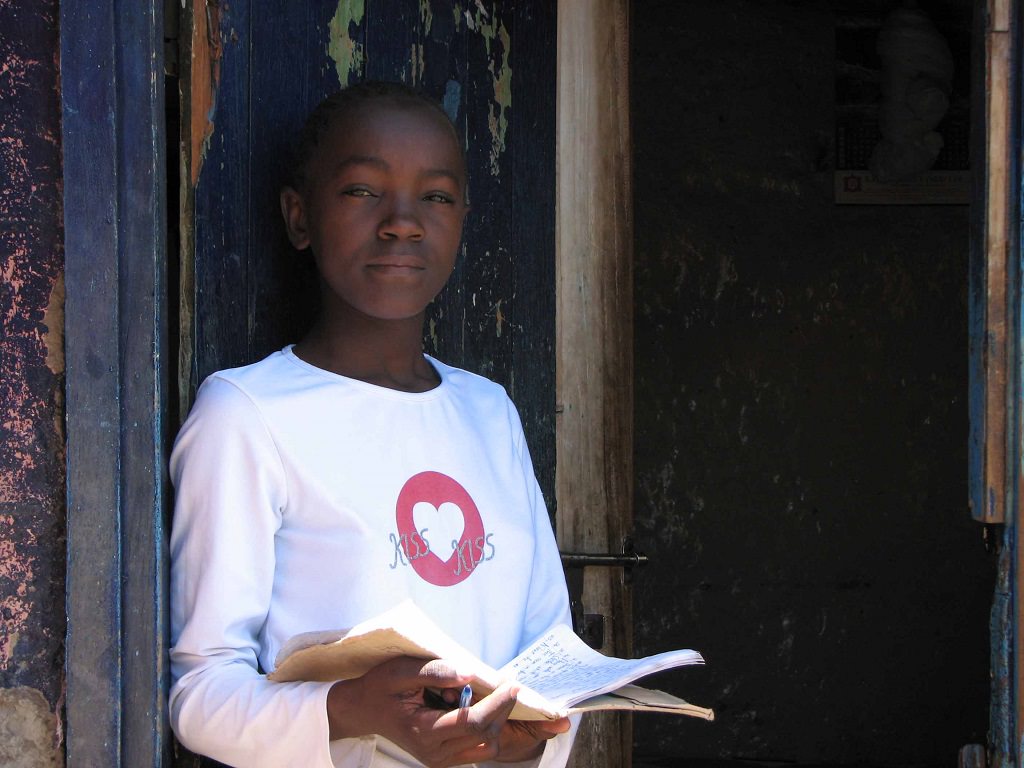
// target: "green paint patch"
[[426, 16], [497, 120], [346, 52], [416, 62], [493, 30]]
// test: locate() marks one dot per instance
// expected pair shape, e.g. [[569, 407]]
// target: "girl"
[[348, 472]]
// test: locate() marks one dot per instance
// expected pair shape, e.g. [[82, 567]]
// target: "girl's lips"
[[396, 268], [397, 262]]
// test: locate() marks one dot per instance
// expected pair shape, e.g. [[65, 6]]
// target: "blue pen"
[[466, 697]]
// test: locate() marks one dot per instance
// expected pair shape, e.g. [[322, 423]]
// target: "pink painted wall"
[[32, 509]]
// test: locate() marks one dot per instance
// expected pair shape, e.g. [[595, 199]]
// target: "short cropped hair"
[[346, 101]]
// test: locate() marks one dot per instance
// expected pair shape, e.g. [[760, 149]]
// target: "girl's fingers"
[[491, 709], [439, 673], [474, 733], [405, 673], [547, 729]]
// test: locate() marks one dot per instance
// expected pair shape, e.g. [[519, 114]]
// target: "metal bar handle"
[[583, 560]]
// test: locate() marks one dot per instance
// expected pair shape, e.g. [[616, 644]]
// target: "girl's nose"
[[400, 223]]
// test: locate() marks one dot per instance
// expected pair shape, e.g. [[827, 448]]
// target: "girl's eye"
[[358, 192], [439, 197]]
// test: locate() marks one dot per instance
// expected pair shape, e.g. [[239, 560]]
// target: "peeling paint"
[[53, 336], [32, 551], [16, 573], [427, 16], [416, 62], [499, 318], [452, 99], [501, 73], [204, 83], [348, 54]]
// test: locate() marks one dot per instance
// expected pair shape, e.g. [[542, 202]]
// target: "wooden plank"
[[91, 242], [976, 281], [999, 15], [290, 71], [996, 240], [972, 756], [143, 347], [199, 78], [114, 205], [594, 310], [221, 215], [443, 38], [1001, 736], [1003, 237], [530, 320], [393, 41], [486, 273], [990, 274]]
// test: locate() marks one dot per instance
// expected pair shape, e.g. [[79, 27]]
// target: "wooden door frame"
[[594, 326], [996, 353], [115, 235], [117, 358]]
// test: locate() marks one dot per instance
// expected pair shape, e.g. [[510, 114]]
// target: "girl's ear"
[[293, 209]]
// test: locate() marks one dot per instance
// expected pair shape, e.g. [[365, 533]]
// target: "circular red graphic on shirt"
[[434, 509]]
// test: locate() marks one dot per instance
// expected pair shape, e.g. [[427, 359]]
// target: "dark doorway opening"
[[801, 410]]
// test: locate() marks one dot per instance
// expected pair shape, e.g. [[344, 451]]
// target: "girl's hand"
[[389, 701], [524, 739]]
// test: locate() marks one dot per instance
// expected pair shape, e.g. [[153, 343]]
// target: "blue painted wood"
[[115, 256], [282, 289], [1006, 725], [487, 269], [222, 231], [142, 277], [393, 34], [91, 208], [1015, 433], [977, 287], [532, 246], [1001, 622]]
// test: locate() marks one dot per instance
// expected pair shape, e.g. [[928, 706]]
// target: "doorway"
[[801, 458], [801, 410]]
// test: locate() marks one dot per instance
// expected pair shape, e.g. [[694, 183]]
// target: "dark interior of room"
[[801, 406]]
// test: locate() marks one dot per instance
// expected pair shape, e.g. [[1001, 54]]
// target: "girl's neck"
[[386, 354]]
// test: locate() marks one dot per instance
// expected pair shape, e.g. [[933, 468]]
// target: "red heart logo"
[[435, 499]]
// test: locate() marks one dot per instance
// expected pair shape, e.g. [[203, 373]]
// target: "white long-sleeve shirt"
[[307, 501]]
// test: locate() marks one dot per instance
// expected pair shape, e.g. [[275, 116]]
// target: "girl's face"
[[382, 210]]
